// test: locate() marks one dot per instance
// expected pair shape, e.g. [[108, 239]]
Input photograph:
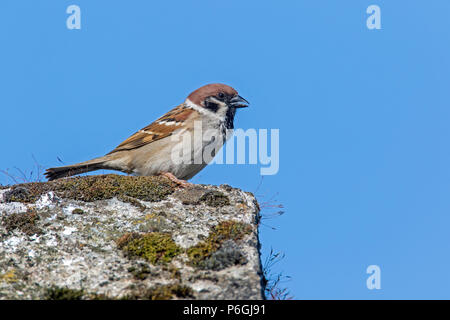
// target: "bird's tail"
[[74, 169]]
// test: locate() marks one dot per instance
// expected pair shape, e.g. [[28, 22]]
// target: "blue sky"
[[363, 117]]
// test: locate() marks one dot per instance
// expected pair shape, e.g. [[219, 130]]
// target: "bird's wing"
[[161, 128]]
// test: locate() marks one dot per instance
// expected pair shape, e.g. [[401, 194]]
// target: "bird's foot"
[[179, 182]]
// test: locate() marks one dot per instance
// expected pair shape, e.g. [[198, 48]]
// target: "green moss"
[[58, 293], [78, 211], [198, 194], [229, 254], [92, 188], [155, 247], [140, 272], [96, 296], [132, 201], [63, 293], [156, 224], [174, 272], [17, 194], [227, 230], [168, 291], [163, 292], [25, 222], [215, 199]]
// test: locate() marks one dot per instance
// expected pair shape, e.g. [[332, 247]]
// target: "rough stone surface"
[[120, 237]]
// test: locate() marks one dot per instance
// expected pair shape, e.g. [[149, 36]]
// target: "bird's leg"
[[171, 177]]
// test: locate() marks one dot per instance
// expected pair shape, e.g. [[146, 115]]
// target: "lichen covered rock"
[[122, 237]]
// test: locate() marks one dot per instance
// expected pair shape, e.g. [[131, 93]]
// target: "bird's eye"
[[221, 95]]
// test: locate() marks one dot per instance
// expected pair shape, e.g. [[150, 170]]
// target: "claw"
[[179, 182]]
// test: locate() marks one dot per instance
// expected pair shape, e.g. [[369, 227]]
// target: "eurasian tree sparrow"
[[149, 151]]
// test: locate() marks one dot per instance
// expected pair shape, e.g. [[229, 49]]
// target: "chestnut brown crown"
[[220, 92]]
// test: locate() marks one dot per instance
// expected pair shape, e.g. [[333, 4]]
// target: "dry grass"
[[17, 175], [274, 283], [274, 288]]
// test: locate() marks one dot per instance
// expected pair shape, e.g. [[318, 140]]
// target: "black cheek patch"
[[212, 106]]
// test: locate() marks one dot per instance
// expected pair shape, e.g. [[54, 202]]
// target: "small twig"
[[259, 185], [39, 168], [24, 176]]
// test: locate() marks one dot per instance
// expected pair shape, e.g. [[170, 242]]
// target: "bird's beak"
[[238, 102]]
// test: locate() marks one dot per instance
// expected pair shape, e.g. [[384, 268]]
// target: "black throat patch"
[[229, 118]]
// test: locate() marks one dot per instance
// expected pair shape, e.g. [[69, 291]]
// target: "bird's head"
[[220, 99]]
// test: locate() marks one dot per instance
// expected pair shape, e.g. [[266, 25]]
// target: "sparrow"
[[149, 151]]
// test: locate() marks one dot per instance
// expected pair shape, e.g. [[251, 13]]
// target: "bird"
[[211, 108]]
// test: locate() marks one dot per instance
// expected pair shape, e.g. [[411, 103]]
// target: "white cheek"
[[223, 108], [222, 111]]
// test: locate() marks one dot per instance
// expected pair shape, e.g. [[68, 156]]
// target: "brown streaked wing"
[[156, 130]]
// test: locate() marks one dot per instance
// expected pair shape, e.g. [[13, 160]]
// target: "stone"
[[123, 237]]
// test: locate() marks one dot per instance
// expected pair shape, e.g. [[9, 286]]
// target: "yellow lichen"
[[9, 276]]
